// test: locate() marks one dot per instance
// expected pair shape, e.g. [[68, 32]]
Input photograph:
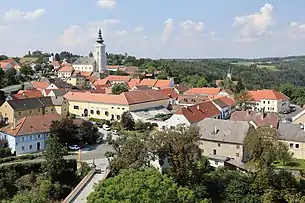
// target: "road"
[[96, 152]]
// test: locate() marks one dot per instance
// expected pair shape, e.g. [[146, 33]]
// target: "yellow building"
[[77, 80], [111, 107], [19, 108]]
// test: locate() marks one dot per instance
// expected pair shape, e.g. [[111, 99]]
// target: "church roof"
[[84, 61]]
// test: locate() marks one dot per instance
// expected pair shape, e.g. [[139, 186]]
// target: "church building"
[[98, 63]]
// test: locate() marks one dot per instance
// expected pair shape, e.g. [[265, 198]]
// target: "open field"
[[28, 59], [268, 67], [244, 63]]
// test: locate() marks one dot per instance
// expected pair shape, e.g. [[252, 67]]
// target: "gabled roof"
[[162, 83], [223, 130], [148, 82], [133, 82], [169, 92], [126, 98], [224, 102], [199, 112], [40, 85], [30, 103], [59, 92], [267, 94], [84, 61], [260, 120], [31, 125], [101, 82], [66, 68], [22, 94], [291, 132], [203, 91], [181, 88], [86, 74]]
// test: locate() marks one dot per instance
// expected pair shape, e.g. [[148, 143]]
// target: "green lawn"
[[244, 63], [295, 164], [269, 67], [28, 59]]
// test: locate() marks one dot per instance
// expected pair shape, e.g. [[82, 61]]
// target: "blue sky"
[[155, 28]]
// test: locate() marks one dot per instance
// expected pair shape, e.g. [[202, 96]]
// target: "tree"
[[65, 130], [127, 121], [3, 57], [57, 57], [10, 77], [29, 197], [239, 87], [243, 99], [26, 70], [53, 154], [140, 186], [264, 147], [180, 146], [202, 82], [90, 54], [86, 133], [119, 88]]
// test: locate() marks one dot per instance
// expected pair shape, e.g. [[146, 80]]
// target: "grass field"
[[295, 164], [29, 59], [244, 63], [268, 67]]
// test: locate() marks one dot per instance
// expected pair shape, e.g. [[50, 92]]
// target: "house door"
[[38, 146]]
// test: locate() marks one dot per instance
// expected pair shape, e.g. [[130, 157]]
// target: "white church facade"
[[97, 63]]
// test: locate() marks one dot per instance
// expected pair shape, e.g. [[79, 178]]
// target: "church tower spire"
[[100, 39]]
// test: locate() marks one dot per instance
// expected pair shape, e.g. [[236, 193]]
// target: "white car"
[[114, 132], [74, 147], [106, 127]]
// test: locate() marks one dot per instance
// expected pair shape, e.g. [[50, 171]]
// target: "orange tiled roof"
[[126, 98], [267, 94], [118, 78], [86, 74], [66, 69], [32, 125], [199, 112], [169, 92], [148, 82], [162, 83], [30, 93], [203, 91], [101, 82], [40, 85], [133, 82]]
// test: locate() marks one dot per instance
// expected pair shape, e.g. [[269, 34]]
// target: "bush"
[[18, 158]]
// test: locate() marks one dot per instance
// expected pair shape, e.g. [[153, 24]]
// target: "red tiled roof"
[[66, 69], [267, 94], [101, 82], [225, 101], [86, 74], [270, 119], [169, 92], [133, 82], [203, 91], [148, 82], [40, 85], [29, 93], [121, 78], [91, 78], [199, 112], [126, 98], [32, 125], [191, 99]]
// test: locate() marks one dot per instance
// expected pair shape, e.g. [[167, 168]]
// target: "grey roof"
[[59, 93], [30, 103], [291, 132], [218, 157], [57, 101], [60, 83], [227, 130], [84, 61], [150, 113]]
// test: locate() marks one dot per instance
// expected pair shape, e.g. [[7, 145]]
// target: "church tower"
[[100, 56]]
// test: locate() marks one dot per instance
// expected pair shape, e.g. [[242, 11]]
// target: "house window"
[[173, 127], [91, 111], [237, 146], [30, 147], [291, 145], [118, 117], [214, 151], [38, 136], [38, 110], [297, 146], [216, 163], [264, 102], [75, 107], [22, 139], [218, 144], [237, 154], [22, 148], [123, 108], [31, 137], [98, 112], [112, 107], [268, 102], [118, 107], [106, 113]]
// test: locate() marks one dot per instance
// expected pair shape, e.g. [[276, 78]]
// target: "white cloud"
[[112, 21], [121, 32], [192, 27], [16, 14], [138, 29], [168, 29], [106, 3], [297, 29], [72, 36], [257, 24]]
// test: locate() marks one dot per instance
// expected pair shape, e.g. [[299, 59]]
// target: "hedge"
[[18, 158]]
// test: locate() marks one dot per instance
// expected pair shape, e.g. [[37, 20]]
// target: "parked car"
[[106, 127], [74, 147], [114, 132]]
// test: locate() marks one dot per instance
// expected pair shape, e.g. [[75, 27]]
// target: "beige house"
[[111, 107], [269, 101], [65, 72], [77, 80], [299, 118], [223, 138], [20, 108], [294, 136]]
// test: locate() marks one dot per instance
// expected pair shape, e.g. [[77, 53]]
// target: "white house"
[[28, 135], [226, 105], [65, 72]]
